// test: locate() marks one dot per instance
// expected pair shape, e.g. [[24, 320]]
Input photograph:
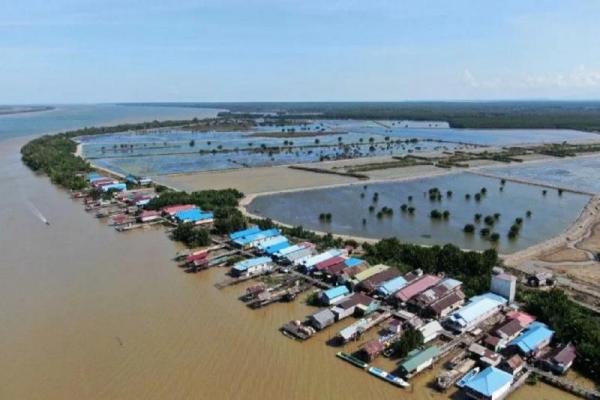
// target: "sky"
[[74, 51]]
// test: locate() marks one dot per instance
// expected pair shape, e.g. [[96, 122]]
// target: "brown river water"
[[89, 313]]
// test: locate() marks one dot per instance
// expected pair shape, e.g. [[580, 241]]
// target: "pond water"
[[169, 151], [575, 173], [550, 214]]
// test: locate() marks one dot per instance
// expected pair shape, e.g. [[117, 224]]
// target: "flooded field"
[[576, 173], [351, 213], [171, 151], [183, 152]]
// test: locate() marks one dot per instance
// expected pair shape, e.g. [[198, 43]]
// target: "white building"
[[475, 312], [504, 285]]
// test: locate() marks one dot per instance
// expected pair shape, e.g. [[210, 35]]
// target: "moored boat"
[[386, 376], [352, 360]]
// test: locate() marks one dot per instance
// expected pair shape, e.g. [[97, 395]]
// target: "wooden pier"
[[528, 182], [565, 384], [279, 295]]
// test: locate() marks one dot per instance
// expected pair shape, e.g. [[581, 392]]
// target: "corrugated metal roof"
[[353, 262], [489, 381], [245, 232], [257, 236], [311, 261], [244, 265], [329, 262], [369, 272], [431, 329], [114, 186], [417, 286], [477, 306], [418, 357], [392, 286], [371, 283], [276, 247], [450, 283], [193, 215], [292, 249], [524, 318], [447, 301], [271, 241], [336, 292], [174, 209], [536, 334]]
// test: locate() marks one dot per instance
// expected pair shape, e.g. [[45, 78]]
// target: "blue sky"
[[282, 50]]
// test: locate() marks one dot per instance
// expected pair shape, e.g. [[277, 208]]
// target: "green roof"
[[417, 357]]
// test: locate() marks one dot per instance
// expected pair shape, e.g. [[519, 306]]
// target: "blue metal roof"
[[245, 232], [336, 292], [276, 247], [392, 286], [533, 336], [489, 381], [272, 241], [289, 250], [450, 283], [114, 186], [246, 264], [193, 215], [353, 262], [257, 236], [477, 306]]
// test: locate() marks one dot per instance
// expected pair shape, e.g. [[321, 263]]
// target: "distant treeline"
[[581, 115]]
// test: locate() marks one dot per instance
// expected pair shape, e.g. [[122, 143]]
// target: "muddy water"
[[88, 313]]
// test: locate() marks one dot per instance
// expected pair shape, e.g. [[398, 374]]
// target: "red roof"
[[102, 182], [373, 348], [329, 263], [417, 286], [175, 209], [197, 255], [356, 299], [524, 318], [337, 268], [149, 213]]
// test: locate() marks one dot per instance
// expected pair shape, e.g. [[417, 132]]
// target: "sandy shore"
[[581, 228]]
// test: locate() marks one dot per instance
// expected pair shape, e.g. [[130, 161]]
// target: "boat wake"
[[37, 212]]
